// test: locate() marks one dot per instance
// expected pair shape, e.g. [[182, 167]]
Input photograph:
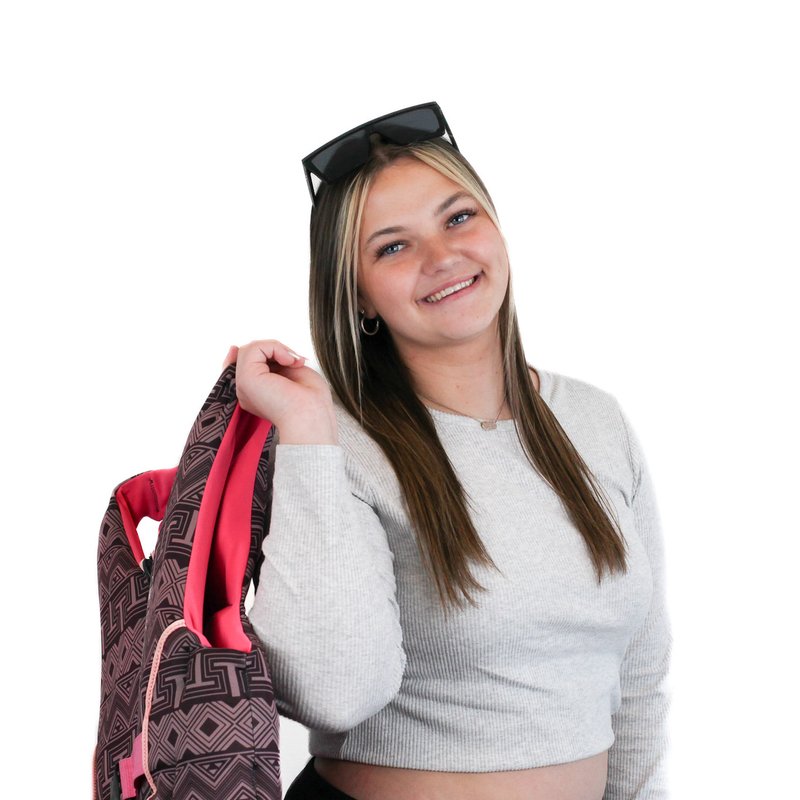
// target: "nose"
[[438, 254]]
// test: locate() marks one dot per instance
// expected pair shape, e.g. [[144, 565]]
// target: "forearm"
[[325, 606]]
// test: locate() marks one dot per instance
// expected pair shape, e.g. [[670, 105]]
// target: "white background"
[[644, 161]]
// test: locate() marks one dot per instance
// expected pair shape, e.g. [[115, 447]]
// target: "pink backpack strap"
[[131, 769], [222, 538]]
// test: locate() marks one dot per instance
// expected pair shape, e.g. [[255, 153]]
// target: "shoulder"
[[355, 441], [352, 435], [368, 468], [568, 393], [595, 422]]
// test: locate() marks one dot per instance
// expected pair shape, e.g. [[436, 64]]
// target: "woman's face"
[[440, 237]]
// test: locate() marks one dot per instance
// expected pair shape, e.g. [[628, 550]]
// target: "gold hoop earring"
[[372, 332]]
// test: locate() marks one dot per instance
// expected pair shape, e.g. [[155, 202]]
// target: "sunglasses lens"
[[351, 151], [341, 157], [412, 126]]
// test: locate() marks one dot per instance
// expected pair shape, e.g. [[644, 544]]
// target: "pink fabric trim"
[[148, 701], [145, 495], [131, 769], [94, 773], [221, 542]]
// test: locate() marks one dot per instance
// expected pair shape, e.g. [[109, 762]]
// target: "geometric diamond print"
[[212, 768], [213, 724]]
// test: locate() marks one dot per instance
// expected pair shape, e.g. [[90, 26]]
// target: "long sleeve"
[[326, 607], [637, 759]]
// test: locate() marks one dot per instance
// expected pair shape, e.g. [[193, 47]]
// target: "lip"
[[447, 285]]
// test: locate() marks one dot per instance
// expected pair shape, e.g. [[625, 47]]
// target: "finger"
[[233, 352], [291, 358], [269, 351], [298, 360]]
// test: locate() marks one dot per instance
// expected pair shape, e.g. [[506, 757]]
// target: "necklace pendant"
[[488, 424]]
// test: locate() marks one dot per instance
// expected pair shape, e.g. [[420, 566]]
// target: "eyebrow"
[[439, 209]]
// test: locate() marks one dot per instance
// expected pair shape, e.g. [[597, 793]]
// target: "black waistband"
[[310, 785]]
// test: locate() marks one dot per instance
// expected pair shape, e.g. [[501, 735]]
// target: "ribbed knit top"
[[549, 668]]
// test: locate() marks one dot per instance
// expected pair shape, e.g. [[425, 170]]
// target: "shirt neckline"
[[545, 385]]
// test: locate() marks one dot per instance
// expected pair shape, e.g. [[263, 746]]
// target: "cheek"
[[392, 284], [371, 292], [488, 244]]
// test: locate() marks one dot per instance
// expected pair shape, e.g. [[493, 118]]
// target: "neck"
[[467, 378]]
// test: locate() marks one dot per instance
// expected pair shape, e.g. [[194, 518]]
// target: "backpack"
[[187, 710]]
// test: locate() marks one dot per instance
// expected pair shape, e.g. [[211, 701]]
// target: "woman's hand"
[[273, 382]]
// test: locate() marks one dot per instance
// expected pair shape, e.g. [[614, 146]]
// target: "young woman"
[[463, 588]]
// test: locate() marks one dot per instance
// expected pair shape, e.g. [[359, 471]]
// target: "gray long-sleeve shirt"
[[550, 668]]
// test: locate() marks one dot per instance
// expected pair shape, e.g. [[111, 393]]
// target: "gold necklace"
[[486, 424]]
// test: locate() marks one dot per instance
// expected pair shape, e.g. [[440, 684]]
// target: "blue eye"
[[467, 212], [382, 250]]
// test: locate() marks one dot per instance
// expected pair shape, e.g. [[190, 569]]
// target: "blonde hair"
[[374, 385]]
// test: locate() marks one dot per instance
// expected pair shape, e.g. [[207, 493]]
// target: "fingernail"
[[294, 355]]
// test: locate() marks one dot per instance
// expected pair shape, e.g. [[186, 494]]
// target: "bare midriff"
[[575, 780]]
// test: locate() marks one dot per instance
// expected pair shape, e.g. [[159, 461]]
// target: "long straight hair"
[[374, 385]]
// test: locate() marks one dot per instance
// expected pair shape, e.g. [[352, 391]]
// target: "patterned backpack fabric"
[[187, 710]]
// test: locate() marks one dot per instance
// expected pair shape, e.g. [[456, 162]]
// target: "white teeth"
[[449, 290]]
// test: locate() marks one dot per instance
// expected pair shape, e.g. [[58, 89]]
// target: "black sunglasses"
[[347, 152]]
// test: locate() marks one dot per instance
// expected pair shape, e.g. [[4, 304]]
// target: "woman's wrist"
[[311, 431]]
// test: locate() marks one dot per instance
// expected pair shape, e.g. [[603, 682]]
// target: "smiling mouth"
[[435, 298]]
